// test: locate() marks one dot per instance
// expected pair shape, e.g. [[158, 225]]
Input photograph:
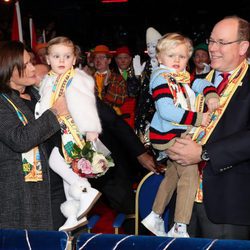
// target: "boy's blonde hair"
[[171, 40], [65, 41]]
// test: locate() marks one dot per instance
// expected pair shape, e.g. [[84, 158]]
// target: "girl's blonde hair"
[[171, 40], [65, 41]]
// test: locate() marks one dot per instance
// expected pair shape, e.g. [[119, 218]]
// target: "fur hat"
[[152, 35], [123, 50], [102, 49]]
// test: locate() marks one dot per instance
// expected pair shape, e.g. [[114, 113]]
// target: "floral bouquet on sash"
[[92, 161]]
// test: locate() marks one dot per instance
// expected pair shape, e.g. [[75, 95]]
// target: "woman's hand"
[[60, 106]]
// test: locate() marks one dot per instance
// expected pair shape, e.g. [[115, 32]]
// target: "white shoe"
[[154, 223], [87, 201], [87, 196], [175, 232], [72, 223], [69, 209]]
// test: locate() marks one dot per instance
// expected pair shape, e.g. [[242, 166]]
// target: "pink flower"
[[84, 166]]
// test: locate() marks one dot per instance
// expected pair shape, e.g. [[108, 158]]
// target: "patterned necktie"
[[99, 79], [224, 82], [125, 74]]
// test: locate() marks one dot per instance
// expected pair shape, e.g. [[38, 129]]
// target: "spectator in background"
[[89, 67], [123, 59], [110, 86], [201, 62], [40, 51]]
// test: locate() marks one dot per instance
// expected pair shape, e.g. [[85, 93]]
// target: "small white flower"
[[99, 163]]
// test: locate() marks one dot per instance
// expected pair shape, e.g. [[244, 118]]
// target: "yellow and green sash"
[[31, 161], [202, 134], [70, 133]]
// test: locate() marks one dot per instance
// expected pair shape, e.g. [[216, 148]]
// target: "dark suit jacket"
[[226, 179], [24, 205]]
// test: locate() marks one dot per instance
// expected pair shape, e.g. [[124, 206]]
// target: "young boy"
[[176, 116]]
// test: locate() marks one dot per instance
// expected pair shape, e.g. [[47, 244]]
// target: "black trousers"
[[201, 227]]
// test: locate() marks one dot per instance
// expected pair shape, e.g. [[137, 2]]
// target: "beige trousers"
[[185, 180]]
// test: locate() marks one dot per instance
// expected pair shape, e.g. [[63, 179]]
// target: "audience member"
[[89, 67], [201, 62], [123, 59], [110, 86], [119, 137], [222, 207], [40, 51]]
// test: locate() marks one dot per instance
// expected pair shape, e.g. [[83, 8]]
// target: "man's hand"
[[138, 67], [147, 161], [185, 151]]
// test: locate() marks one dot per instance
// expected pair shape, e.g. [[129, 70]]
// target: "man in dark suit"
[[223, 207], [123, 143]]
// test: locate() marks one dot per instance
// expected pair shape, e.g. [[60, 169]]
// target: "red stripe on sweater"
[[161, 91], [189, 118], [209, 89], [166, 137]]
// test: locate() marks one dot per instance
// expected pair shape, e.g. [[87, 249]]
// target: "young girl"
[[176, 116], [78, 88]]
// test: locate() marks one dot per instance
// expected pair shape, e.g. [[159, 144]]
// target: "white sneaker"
[[175, 232], [154, 223]]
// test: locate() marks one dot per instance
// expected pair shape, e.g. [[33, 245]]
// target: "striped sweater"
[[173, 117]]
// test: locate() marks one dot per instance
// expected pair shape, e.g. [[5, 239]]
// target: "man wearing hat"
[[201, 62], [110, 86], [123, 59]]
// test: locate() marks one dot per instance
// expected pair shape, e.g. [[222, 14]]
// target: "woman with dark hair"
[[25, 191]]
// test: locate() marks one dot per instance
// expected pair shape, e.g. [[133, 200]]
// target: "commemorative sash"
[[69, 131], [202, 134], [31, 161]]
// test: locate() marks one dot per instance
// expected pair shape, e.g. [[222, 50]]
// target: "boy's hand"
[[206, 119], [213, 103]]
